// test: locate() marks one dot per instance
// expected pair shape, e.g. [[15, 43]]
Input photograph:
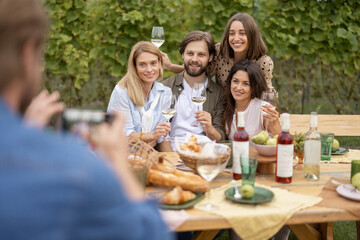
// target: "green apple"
[[247, 191], [355, 181], [271, 141], [276, 136], [335, 145]]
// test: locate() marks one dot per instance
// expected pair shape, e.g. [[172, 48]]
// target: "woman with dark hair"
[[241, 40], [244, 86]]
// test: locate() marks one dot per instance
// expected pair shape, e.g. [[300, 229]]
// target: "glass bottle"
[[284, 152], [240, 145], [312, 151]]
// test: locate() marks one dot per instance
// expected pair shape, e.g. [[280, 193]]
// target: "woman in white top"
[[243, 90], [141, 98]]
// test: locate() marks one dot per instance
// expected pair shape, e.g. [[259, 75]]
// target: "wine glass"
[[270, 99], [168, 114], [198, 96], [157, 36], [208, 169]]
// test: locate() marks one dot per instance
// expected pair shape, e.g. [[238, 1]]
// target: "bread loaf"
[[186, 180], [177, 196]]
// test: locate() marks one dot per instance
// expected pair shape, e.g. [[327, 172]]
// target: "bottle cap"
[[313, 119], [285, 121], [240, 119]]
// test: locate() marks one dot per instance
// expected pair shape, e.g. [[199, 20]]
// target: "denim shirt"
[[121, 101], [51, 187]]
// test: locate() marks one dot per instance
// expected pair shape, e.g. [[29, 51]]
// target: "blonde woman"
[[141, 97]]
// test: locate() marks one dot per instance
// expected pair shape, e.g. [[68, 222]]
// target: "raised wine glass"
[[198, 96], [157, 36], [208, 168], [169, 113], [270, 99]]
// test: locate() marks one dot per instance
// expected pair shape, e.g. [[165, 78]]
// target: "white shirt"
[[184, 119], [253, 116], [120, 101]]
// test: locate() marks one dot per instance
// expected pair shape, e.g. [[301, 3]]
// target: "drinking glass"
[[168, 114], [198, 96], [270, 98], [326, 145], [208, 169], [157, 36], [248, 169]]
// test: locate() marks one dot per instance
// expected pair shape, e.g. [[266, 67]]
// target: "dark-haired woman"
[[244, 86], [241, 40]]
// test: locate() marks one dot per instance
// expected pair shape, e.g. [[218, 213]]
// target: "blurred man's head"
[[23, 29]]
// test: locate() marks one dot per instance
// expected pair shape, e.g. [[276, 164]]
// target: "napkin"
[[259, 221], [345, 158], [332, 199], [174, 218]]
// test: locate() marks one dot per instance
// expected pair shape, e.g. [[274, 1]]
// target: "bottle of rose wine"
[[284, 152], [240, 145]]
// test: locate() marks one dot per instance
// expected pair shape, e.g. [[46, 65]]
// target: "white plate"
[[348, 192]]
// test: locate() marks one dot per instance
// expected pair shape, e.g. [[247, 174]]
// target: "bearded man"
[[197, 50]]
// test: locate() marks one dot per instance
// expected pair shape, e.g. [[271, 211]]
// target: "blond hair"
[[21, 21], [131, 81]]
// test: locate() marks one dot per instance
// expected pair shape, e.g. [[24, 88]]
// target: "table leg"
[[205, 235], [305, 232], [322, 231], [358, 229], [327, 231]]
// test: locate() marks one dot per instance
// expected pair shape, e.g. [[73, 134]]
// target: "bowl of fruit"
[[264, 144]]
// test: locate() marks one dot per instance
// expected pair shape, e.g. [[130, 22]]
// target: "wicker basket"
[[141, 157], [190, 161]]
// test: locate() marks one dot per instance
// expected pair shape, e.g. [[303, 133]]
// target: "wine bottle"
[[312, 151], [284, 152], [240, 145]]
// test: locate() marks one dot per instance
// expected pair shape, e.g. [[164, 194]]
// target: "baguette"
[[192, 182], [177, 196], [178, 172]]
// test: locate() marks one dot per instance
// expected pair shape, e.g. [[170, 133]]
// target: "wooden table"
[[209, 224]]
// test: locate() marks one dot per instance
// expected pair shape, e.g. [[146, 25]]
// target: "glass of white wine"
[[208, 169], [169, 113], [198, 96], [270, 99], [157, 36]]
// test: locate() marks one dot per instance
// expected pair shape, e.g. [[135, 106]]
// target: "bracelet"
[[140, 135]]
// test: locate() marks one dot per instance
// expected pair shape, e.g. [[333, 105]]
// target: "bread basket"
[[141, 157], [221, 151]]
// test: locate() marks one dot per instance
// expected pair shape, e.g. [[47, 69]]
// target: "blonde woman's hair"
[[131, 81]]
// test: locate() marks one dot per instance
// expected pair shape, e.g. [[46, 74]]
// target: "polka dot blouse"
[[220, 68]]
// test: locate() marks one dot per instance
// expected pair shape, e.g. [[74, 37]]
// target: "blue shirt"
[[121, 101], [51, 187]]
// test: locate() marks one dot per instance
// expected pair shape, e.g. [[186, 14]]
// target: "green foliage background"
[[314, 45]]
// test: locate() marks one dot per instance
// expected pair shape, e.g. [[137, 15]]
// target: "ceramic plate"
[[185, 205], [348, 191], [261, 195], [340, 151]]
